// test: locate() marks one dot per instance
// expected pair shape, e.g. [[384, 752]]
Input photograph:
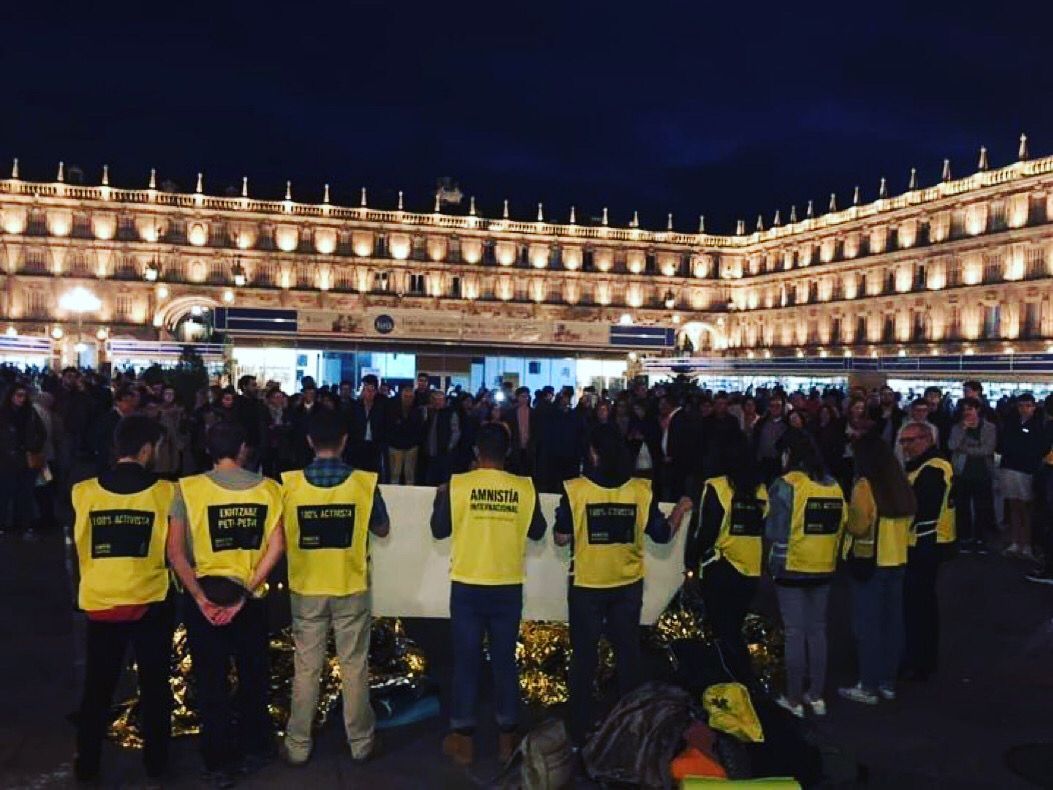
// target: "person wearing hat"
[[223, 541], [120, 527], [329, 509], [490, 514]]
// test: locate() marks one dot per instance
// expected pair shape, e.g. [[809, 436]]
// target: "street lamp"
[[151, 272], [239, 274], [670, 300], [79, 301]]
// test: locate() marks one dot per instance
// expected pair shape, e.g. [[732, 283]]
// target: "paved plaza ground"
[[995, 691]]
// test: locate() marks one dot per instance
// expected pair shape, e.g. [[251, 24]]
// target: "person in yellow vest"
[[120, 527], [224, 539], [724, 550], [931, 535], [806, 519], [490, 514], [328, 511], [605, 516], [880, 515]]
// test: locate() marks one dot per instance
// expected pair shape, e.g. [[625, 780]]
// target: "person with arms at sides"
[[1023, 443], [367, 426], [723, 549], [442, 432], [931, 534], [328, 511], [972, 444], [224, 539], [490, 514], [404, 431], [806, 519], [880, 516], [120, 527], [604, 518]]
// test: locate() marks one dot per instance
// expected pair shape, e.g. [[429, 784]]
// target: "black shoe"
[[1042, 576], [255, 762], [981, 548]]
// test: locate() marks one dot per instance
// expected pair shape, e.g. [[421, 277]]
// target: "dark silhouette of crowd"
[[56, 427]]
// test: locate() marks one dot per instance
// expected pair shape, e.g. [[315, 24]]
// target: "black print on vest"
[[610, 523], [822, 515], [120, 533], [236, 526], [747, 518], [326, 526]]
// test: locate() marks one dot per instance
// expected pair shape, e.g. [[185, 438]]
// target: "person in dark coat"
[[22, 438], [366, 434]]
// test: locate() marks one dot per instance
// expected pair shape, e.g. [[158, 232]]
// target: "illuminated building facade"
[[960, 267]]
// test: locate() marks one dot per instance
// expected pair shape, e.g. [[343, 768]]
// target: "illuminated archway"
[[695, 332]]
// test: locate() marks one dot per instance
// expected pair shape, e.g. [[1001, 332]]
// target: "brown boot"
[[506, 745], [459, 748]]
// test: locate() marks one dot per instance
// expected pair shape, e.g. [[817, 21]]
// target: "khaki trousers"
[[403, 462], [350, 618]]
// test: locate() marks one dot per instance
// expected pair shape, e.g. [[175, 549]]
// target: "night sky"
[[728, 109]]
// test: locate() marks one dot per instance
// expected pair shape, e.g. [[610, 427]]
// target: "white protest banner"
[[410, 573]]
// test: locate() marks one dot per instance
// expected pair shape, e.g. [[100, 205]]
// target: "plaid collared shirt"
[[329, 472]]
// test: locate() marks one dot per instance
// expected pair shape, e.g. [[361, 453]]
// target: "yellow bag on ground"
[[731, 710]]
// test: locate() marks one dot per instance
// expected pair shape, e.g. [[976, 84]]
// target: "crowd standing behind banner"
[[832, 476]]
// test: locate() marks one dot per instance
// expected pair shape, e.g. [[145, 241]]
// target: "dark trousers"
[[727, 595], [17, 486], [365, 455], [437, 469], [150, 638], [224, 743], [877, 604], [921, 609], [594, 612], [492, 611], [974, 508]]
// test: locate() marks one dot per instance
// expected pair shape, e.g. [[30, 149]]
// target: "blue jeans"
[[476, 610], [877, 620]]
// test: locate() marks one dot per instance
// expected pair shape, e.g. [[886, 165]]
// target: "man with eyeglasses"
[[932, 531]]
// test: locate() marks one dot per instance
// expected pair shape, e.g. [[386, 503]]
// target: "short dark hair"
[[971, 403], [930, 390], [973, 385], [133, 433], [1025, 397], [522, 390], [369, 378], [492, 442], [919, 402], [326, 429], [244, 380], [224, 440]]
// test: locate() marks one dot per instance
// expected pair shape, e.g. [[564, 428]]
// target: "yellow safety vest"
[[816, 524], [327, 533], [742, 530], [120, 541], [892, 538], [944, 527], [609, 526], [491, 511], [229, 529]]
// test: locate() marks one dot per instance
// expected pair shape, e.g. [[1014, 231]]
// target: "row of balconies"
[[1016, 211]]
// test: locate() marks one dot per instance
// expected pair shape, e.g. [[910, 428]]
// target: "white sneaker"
[[1026, 553], [887, 693], [818, 705], [797, 710], [1011, 551], [857, 693]]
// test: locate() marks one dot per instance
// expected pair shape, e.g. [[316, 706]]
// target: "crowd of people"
[[792, 484]]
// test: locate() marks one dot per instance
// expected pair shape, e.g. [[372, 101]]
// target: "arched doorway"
[[696, 337], [189, 319]]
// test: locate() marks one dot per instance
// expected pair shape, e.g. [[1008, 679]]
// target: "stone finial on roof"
[[913, 183], [199, 188], [982, 164], [153, 179], [14, 168], [1022, 152], [401, 203], [244, 186], [61, 172], [833, 202], [504, 212], [573, 216], [604, 215], [701, 223], [105, 175], [946, 174], [325, 194], [809, 212], [471, 206], [855, 196], [793, 213], [777, 220], [669, 221], [882, 191], [362, 200]]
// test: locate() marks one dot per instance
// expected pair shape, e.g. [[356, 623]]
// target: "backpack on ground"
[[545, 759], [639, 738]]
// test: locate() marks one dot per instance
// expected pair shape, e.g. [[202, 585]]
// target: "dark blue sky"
[[727, 110]]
